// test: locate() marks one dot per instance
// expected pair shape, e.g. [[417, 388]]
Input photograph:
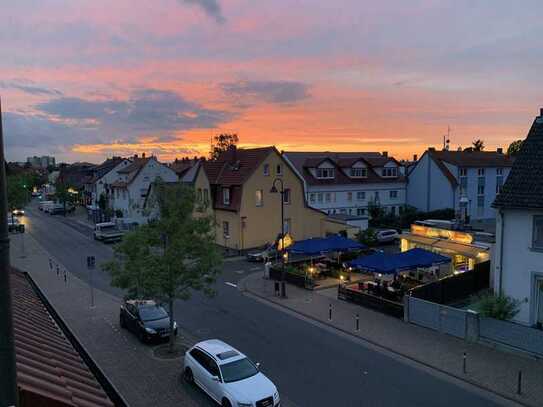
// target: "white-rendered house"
[[104, 176], [466, 181], [346, 183], [129, 192], [518, 257]]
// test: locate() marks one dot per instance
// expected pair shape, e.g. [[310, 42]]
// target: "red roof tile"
[[48, 367]]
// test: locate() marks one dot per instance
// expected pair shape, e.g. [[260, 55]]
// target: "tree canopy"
[[171, 256], [478, 145], [18, 190], [221, 143], [514, 147]]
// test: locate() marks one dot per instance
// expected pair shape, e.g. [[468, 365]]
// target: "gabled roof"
[[475, 159], [524, 185], [104, 168], [452, 179], [132, 171], [48, 366], [303, 161], [235, 166]]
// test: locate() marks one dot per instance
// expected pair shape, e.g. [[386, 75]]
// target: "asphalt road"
[[310, 365]]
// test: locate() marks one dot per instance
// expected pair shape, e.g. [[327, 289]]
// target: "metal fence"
[[371, 301], [471, 326]]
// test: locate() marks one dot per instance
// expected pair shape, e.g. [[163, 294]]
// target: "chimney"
[[499, 150], [415, 157], [135, 156], [541, 112], [142, 155], [431, 149], [385, 153]]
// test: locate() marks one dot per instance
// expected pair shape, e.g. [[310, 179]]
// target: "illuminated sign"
[[437, 233], [288, 241]]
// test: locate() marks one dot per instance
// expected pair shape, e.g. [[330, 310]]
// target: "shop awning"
[[328, 244], [394, 263], [428, 241], [458, 248]]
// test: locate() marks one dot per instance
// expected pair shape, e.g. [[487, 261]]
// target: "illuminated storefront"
[[457, 245]]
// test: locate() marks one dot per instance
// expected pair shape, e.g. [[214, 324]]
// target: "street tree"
[[221, 143], [478, 145], [173, 255], [63, 194], [18, 193], [514, 147]]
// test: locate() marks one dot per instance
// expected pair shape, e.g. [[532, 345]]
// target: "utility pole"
[[8, 373]]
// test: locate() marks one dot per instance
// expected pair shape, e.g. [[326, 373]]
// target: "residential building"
[[104, 175], [518, 257], [41, 162], [247, 213], [346, 183], [131, 188], [466, 181], [74, 177]]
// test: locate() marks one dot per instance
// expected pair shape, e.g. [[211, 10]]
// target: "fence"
[[296, 279], [371, 301], [455, 287], [471, 326]]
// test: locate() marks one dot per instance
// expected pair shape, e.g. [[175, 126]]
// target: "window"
[[359, 172], [360, 195], [499, 183], [480, 189], [537, 238], [393, 210], [226, 229], [124, 193], [499, 171], [200, 196], [319, 197], [259, 197], [328, 197], [480, 201], [463, 183], [226, 196], [325, 173], [266, 169], [279, 169], [311, 198], [286, 196], [206, 195], [376, 196], [349, 196], [481, 172], [393, 194], [360, 211], [463, 172], [343, 211], [198, 356], [390, 172]]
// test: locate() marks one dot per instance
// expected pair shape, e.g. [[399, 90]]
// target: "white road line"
[[239, 271], [231, 284]]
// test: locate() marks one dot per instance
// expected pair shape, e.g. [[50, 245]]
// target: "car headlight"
[[150, 331], [245, 404]]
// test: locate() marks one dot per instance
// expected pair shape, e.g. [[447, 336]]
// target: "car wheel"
[[188, 376], [121, 322], [225, 403]]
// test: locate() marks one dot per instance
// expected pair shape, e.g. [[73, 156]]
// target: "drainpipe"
[[502, 218]]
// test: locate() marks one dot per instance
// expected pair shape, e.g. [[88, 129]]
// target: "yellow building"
[[247, 213]]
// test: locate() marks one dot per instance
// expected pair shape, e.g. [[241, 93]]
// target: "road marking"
[[239, 271], [231, 284], [255, 268]]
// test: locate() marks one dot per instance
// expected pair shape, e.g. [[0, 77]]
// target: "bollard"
[[357, 319], [58, 270], [464, 363], [519, 382], [50, 264], [276, 285], [330, 312], [65, 278]]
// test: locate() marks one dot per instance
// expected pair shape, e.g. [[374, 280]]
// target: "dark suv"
[[148, 320]]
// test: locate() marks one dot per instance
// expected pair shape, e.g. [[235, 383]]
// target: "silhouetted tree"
[[221, 143], [514, 147], [478, 145]]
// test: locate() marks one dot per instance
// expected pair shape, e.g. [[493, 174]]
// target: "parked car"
[[147, 319], [43, 204], [18, 212], [387, 235], [262, 255], [228, 376], [14, 225], [60, 209], [107, 232]]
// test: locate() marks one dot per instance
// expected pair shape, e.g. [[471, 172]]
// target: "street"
[[310, 365]]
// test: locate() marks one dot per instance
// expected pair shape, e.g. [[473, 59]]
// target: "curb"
[[243, 287]]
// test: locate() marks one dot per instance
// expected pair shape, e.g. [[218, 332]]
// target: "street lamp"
[[281, 191]]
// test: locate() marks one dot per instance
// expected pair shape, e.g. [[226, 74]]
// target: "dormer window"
[[226, 196], [325, 173], [359, 172], [390, 172]]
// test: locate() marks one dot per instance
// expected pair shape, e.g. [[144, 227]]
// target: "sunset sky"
[[82, 80]]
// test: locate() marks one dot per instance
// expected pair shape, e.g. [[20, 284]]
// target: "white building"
[[518, 257], [41, 162], [130, 190], [346, 183], [466, 181], [104, 176]]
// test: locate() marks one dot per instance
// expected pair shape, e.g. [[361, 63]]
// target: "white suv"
[[228, 376]]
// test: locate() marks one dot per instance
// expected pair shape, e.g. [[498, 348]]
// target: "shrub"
[[496, 306], [118, 213], [368, 237]]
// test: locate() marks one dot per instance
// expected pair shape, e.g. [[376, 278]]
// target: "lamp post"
[[281, 191], [8, 376]]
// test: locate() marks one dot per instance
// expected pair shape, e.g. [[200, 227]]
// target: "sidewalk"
[[486, 367], [142, 379]]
